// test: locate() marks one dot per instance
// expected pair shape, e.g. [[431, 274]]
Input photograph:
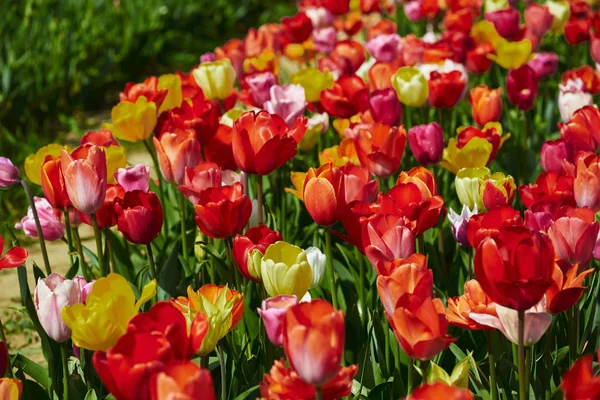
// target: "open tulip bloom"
[[365, 199]]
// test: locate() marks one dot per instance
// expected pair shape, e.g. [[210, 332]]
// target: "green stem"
[[223, 372], [111, 253], [548, 362], [328, 255], [161, 185], [521, 358], [69, 235], [184, 242], [493, 385], [38, 226], [98, 237], [151, 261], [319, 393], [573, 316], [84, 266], [64, 351], [411, 376], [85, 355], [259, 197], [441, 249], [386, 336], [420, 244]]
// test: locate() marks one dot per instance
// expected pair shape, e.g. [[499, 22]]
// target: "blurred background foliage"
[[64, 61]]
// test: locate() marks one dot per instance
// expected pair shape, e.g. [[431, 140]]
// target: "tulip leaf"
[[33, 391], [460, 373], [170, 273], [121, 254], [247, 393], [36, 371], [91, 395], [437, 373], [74, 270]]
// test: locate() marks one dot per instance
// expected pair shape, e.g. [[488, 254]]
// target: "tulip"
[[587, 183], [497, 190], [323, 194], [473, 300], [421, 328], [110, 304], [132, 178], [222, 307], [152, 340], [259, 86], [511, 55], [492, 132], [9, 174], [248, 249], [203, 176], [340, 155], [149, 89], [273, 312], [460, 222], [385, 47], [184, 381], [313, 81], [14, 257], [544, 64], [486, 104], [439, 390], [410, 86], [554, 153], [574, 240], [589, 76], [566, 288], [380, 148], [53, 184], [284, 382], [176, 151], [475, 153], [386, 238], [549, 187], [198, 116], [106, 216], [426, 143], [581, 132], [287, 101], [51, 295], [489, 224], [262, 142], [222, 212], [84, 286], [467, 184], [313, 341], [139, 217], [285, 270], [515, 267], [215, 78], [52, 227], [316, 260], [133, 122], [477, 58], [522, 87], [348, 96], [385, 107], [325, 39], [579, 382], [33, 162], [537, 321], [10, 389], [445, 89], [577, 30], [538, 19], [572, 97], [298, 28], [505, 21], [320, 17]]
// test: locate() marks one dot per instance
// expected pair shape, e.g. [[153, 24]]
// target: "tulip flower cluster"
[[345, 203]]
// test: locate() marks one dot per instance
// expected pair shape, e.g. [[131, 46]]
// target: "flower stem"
[[319, 393], [38, 226], [548, 362], [84, 266], [223, 372], [151, 261], [411, 376], [521, 357], [98, 237], [184, 243], [329, 257], [64, 351], [493, 386], [573, 334], [85, 355], [259, 197], [161, 186], [441, 249], [69, 236]]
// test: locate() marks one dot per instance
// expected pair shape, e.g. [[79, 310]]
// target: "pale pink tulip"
[[272, 312]]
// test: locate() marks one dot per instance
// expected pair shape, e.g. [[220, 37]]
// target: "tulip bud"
[[506, 21], [385, 107], [139, 217], [215, 78], [260, 85], [250, 247], [176, 151], [410, 86], [133, 122], [52, 227], [272, 312], [522, 87], [85, 287], [9, 174], [426, 143], [133, 178], [84, 171], [554, 153], [285, 270], [467, 186], [325, 39], [486, 104], [51, 295]]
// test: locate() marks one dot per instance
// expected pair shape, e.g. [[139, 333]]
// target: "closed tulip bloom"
[[262, 142], [544, 64], [285, 270], [110, 304], [421, 329], [554, 153], [52, 226], [215, 78], [33, 162], [522, 87], [467, 184], [572, 97], [313, 341], [323, 194], [287, 101], [574, 240], [9, 174], [203, 176], [477, 58], [380, 148], [51, 295], [439, 390], [133, 122], [386, 238], [497, 190], [566, 288], [511, 55], [580, 382], [106, 216], [10, 388], [505, 21], [581, 132], [460, 222], [348, 96], [183, 380], [246, 246], [486, 104], [426, 143], [538, 19], [316, 260], [473, 300], [325, 39], [222, 212], [259, 87], [475, 153], [176, 151], [273, 312], [410, 86], [53, 184], [446, 89], [313, 81], [587, 183], [515, 267], [139, 217], [297, 28], [385, 47], [136, 177], [84, 172], [385, 107]]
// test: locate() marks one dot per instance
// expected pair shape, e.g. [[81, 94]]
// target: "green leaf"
[[460, 373], [91, 395], [437, 373], [37, 273], [38, 372], [247, 393], [170, 273], [33, 391]]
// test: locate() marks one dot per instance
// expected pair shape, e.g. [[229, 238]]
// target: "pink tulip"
[[51, 295], [85, 287], [538, 19], [506, 21], [272, 312], [574, 240], [133, 178], [386, 237], [385, 107], [325, 39], [52, 226], [176, 151], [595, 47], [412, 9], [554, 154], [207, 57], [9, 174], [288, 101], [571, 97], [385, 47], [537, 321], [426, 143], [204, 176], [84, 171], [544, 64], [320, 17], [260, 85]]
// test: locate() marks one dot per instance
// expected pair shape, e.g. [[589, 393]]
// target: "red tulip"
[[101, 137], [439, 390], [258, 239], [566, 288], [522, 87], [176, 151], [337, 7], [579, 383], [554, 154], [189, 87], [574, 240], [296, 29], [348, 96], [477, 58], [349, 55], [549, 187], [460, 20], [139, 216], [505, 21], [14, 257], [515, 267], [582, 131], [262, 142], [538, 19], [488, 224], [445, 89], [426, 143], [182, 381], [380, 148], [385, 107], [148, 89], [205, 175], [200, 115], [53, 184], [222, 212], [577, 30], [589, 76], [219, 150], [84, 171]]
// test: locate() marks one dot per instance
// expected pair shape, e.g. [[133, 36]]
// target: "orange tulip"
[[473, 300], [182, 381], [313, 341], [53, 184], [211, 292], [323, 193], [587, 182], [422, 177], [386, 268], [439, 390], [422, 329], [176, 151], [380, 148], [486, 104], [84, 171], [566, 288]]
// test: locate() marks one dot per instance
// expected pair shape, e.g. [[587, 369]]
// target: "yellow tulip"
[[467, 183], [561, 11], [511, 55], [495, 5], [33, 162], [284, 269], [10, 389], [313, 81], [133, 122], [171, 82], [266, 61], [497, 189], [410, 86], [475, 153], [297, 179], [98, 324], [485, 31], [215, 78], [115, 159], [341, 154]]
